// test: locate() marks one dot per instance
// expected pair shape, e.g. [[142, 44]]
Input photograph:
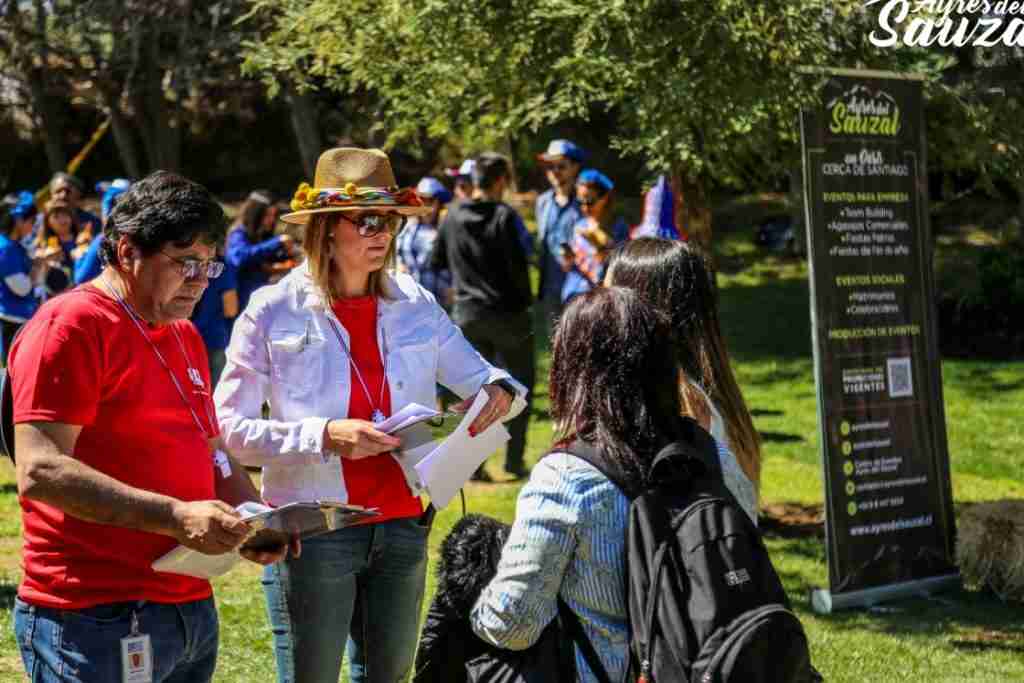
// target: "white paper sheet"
[[449, 466], [185, 560]]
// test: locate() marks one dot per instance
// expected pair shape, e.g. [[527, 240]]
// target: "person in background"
[[479, 242], [56, 245], [676, 278], [214, 315], [585, 257], [336, 346], [252, 247], [463, 179], [89, 265], [68, 189], [118, 454], [415, 244], [659, 219], [17, 304], [557, 213]]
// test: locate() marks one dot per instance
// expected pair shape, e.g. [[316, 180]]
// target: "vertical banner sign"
[[889, 509]]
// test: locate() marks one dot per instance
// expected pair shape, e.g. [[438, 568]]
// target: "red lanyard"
[[194, 375]]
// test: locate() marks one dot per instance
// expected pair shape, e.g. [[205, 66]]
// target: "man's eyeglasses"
[[372, 224], [191, 268], [589, 201], [558, 167]]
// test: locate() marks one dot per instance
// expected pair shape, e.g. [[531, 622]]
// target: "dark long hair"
[[614, 379], [250, 216], [676, 278]]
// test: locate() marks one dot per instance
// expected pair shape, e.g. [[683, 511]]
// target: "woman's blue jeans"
[[362, 586]]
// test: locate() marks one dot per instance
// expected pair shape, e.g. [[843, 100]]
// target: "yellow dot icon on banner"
[[850, 488], [848, 468], [844, 428], [852, 509], [847, 448]]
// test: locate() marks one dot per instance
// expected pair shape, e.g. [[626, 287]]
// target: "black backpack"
[[6, 415], [705, 603]]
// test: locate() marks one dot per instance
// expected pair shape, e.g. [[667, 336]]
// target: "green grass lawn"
[[960, 636]]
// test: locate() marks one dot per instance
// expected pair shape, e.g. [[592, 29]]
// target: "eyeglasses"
[[372, 224], [589, 201], [191, 268], [558, 167]]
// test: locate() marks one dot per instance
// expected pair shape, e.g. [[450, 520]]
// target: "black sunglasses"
[[372, 224]]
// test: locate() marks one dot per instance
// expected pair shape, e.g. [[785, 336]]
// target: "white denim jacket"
[[283, 351]]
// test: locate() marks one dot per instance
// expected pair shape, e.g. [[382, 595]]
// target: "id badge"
[[136, 659]]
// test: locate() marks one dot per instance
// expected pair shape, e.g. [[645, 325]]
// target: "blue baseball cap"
[[114, 189], [563, 148], [591, 176], [25, 205], [432, 188]]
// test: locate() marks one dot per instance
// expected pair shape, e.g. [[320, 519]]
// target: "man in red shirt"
[[117, 454]]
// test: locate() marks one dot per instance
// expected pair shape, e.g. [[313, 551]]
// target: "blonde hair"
[[317, 244]]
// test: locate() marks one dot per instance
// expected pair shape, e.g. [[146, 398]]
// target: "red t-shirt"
[[376, 481], [81, 360]]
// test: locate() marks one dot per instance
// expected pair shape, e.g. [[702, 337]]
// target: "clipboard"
[[272, 528], [277, 526]]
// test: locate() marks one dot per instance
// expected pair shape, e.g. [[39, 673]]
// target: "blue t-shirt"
[[13, 260], [208, 317], [555, 226], [89, 265], [588, 270], [248, 259]]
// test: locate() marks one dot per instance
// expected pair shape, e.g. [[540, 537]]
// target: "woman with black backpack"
[[614, 386]]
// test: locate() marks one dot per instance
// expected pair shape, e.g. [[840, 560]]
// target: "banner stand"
[[823, 601], [890, 529]]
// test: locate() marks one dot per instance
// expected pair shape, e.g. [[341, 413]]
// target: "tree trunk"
[[304, 125], [693, 213], [50, 120], [123, 137]]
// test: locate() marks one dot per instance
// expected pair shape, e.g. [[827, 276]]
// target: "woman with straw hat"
[[336, 346]]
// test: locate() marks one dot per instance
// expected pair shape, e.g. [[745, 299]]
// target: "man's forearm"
[[88, 494]]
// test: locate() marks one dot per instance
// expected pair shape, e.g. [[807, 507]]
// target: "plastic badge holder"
[[278, 526]]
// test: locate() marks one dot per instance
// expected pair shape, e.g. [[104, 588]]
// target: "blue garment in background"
[[249, 258], [208, 316], [86, 221], [554, 227], [89, 265], [588, 270], [13, 260], [414, 246]]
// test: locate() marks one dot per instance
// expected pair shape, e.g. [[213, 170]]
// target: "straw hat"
[[353, 179]]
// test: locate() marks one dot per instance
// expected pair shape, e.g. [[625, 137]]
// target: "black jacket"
[[449, 650], [478, 241]]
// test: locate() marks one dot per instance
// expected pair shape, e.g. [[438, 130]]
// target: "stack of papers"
[[444, 466]]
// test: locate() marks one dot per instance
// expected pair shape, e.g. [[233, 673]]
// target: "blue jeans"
[[84, 646], [362, 585]]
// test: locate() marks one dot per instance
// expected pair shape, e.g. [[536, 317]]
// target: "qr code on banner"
[[900, 382]]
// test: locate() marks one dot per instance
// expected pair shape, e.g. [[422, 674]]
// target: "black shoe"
[[517, 470], [481, 475]]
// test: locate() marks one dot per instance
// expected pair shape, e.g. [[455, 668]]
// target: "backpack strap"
[[574, 629], [696, 446]]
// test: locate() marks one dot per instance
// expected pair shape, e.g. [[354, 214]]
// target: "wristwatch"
[[507, 386]]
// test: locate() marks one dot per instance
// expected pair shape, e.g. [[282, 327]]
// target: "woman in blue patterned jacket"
[[614, 383]]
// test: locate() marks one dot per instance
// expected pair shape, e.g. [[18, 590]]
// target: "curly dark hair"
[[614, 380], [164, 208]]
